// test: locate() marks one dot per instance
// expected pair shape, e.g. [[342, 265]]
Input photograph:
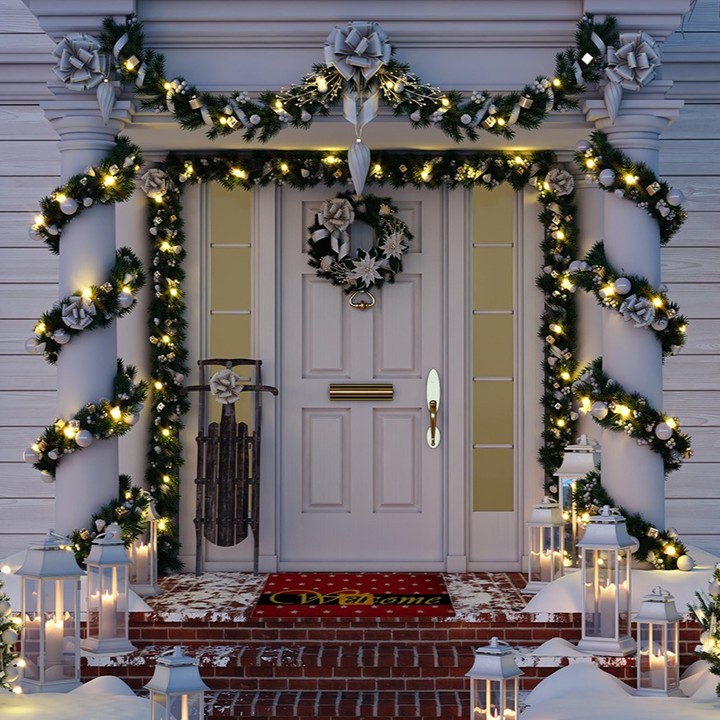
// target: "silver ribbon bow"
[[80, 65], [639, 310], [633, 64], [226, 386], [336, 216], [361, 48]]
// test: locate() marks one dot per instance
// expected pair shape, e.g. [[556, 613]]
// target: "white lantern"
[[606, 554], [107, 595], [546, 545], [578, 460], [494, 683], [143, 554], [177, 691], [50, 640], [658, 629]]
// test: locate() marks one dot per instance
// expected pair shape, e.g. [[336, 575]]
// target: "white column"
[[633, 474], [87, 479]]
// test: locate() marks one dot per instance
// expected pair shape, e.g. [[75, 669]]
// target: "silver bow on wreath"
[[640, 310], [336, 216], [226, 386]]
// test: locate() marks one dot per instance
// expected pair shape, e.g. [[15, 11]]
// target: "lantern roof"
[[658, 607], [495, 661], [579, 459], [608, 530], [108, 548], [547, 513], [176, 673], [51, 558]]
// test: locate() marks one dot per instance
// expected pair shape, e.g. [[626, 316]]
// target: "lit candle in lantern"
[[54, 631], [606, 608], [142, 557], [108, 616], [184, 711]]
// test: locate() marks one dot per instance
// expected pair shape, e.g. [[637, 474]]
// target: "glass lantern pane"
[[600, 593], [158, 706], [186, 706], [140, 558]]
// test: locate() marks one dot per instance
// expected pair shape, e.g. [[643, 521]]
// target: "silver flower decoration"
[[638, 310], [326, 263], [226, 386], [361, 48], [366, 270], [80, 65], [633, 64], [560, 181], [78, 312], [394, 244], [155, 183], [336, 216]]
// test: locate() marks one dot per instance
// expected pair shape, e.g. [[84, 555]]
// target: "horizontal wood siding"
[[29, 169]]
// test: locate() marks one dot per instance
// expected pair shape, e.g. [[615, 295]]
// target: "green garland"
[[111, 300], [128, 510], [458, 116], [595, 275], [112, 181], [616, 173], [660, 548], [615, 409], [707, 611], [365, 270], [96, 421], [9, 634]]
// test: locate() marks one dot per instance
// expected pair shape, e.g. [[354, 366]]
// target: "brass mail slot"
[[361, 391]]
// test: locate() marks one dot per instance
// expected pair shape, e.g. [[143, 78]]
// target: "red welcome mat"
[[354, 595]]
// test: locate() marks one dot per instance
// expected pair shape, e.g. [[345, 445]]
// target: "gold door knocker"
[[361, 304]]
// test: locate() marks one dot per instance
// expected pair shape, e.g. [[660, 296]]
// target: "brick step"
[[327, 705]]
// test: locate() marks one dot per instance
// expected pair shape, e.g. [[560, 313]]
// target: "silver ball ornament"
[[659, 324], [88, 201], [685, 563], [9, 636], [46, 477], [5, 608], [622, 286], [599, 410], [84, 438], [582, 146], [663, 431], [674, 197], [606, 177], [30, 456], [69, 206], [61, 337], [714, 588], [12, 673], [125, 300], [34, 346], [53, 454]]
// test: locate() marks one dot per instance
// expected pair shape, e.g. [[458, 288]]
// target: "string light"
[[108, 180], [116, 413]]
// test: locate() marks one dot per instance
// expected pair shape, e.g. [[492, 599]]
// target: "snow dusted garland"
[[329, 242]]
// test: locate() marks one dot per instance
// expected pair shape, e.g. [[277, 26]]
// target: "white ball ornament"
[[714, 588], [125, 300], [46, 477], [659, 324], [5, 608], [53, 454], [599, 410], [61, 337], [663, 431], [575, 266], [685, 563], [12, 673], [69, 206], [9, 636], [674, 197], [34, 234], [622, 286], [582, 146], [52, 230], [606, 177], [30, 456], [84, 438], [88, 201], [34, 346]]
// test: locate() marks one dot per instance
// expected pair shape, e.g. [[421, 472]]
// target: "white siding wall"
[[29, 169]]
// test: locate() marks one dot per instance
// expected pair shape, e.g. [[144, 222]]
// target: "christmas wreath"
[[329, 242]]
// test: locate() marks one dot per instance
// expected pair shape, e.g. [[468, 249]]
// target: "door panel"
[[359, 487]]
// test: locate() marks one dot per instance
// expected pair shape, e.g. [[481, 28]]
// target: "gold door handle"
[[433, 405], [433, 421]]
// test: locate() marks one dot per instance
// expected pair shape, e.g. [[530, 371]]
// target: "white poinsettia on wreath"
[[329, 242]]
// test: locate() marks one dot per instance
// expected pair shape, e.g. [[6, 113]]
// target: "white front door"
[[359, 486]]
